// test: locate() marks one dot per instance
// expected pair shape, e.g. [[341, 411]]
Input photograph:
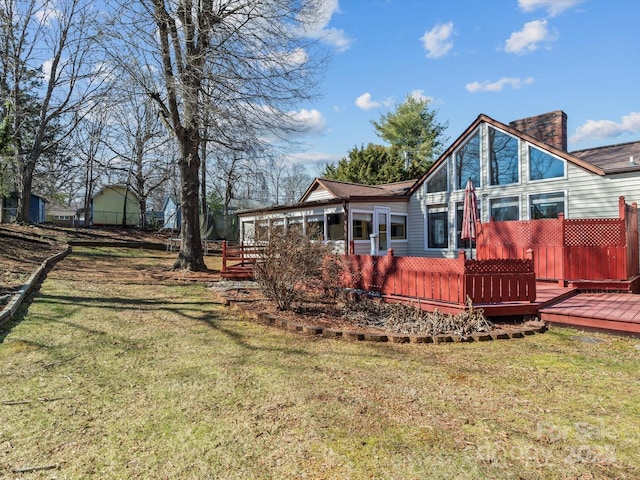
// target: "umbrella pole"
[[470, 244]]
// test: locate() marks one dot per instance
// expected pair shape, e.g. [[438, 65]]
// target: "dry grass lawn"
[[117, 370]]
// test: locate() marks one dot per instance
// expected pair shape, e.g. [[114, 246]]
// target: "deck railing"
[[238, 259], [442, 279], [568, 249]]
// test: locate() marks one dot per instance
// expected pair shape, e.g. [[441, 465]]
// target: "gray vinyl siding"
[[587, 195]]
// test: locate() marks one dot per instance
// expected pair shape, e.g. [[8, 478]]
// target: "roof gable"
[[322, 188], [482, 118]]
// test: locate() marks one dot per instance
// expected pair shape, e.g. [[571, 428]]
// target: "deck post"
[[224, 255]]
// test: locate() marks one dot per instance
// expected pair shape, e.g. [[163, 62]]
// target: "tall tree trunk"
[[203, 160], [24, 190], [191, 253]]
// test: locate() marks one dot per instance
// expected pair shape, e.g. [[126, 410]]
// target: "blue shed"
[[37, 208]]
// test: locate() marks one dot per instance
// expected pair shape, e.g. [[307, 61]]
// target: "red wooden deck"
[[619, 312], [612, 312]]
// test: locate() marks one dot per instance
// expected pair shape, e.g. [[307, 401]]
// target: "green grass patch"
[[112, 373]]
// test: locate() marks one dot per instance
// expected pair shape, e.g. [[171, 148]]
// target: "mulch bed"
[[327, 317]]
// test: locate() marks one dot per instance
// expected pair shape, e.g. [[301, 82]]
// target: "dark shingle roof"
[[347, 190], [612, 158]]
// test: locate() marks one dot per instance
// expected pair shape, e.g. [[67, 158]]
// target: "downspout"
[[345, 227]]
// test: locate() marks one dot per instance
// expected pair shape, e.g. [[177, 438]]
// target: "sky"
[[508, 59]]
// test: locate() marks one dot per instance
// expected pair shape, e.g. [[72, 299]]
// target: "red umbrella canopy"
[[469, 213]]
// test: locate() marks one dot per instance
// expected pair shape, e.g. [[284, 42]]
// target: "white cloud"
[[46, 14], [286, 59], [420, 96], [527, 39], [365, 103], [312, 121], [498, 85], [437, 40], [317, 26], [337, 38], [607, 128], [46, 69], [314, 159], [553, 7]]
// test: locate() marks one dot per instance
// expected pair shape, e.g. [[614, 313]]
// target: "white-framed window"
[[504, 158], [335, 226], [361, 225], [314, 227], [504, 208], [398, 226], [437, 226], [544, 166], [439, 180], [467, 162], [547, 205], [294, 225]]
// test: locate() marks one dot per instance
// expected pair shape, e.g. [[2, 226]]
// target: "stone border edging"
[[14, 303], [531, 328]]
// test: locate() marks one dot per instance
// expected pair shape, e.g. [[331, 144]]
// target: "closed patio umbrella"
[[469, 215]]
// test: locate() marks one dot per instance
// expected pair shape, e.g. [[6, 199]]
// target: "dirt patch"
[[23, 248], [20, 256]]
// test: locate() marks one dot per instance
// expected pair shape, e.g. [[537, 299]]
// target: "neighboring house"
[[171, 213], [112, 203], [37, 208], [521, 171], [348, 216], [61, 215]]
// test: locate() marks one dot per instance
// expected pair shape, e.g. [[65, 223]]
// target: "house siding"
[[108, 206], [320, 194], [587, 195]]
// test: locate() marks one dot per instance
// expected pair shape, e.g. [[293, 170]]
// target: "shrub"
[[292, 265]]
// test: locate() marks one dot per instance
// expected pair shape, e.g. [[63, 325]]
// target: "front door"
[[382, 227]]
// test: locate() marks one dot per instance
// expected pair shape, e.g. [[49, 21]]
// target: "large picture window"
[[437, 228], [362, 225], [503, 158], [546, 205], [314, 227], [506, 208], [467, 163], [294, 225], [543, 166], [335, 221]]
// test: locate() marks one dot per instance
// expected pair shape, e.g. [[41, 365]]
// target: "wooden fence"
[[568, 249], [442, 279]]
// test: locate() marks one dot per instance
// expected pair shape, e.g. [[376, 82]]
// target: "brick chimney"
[[551, 128]]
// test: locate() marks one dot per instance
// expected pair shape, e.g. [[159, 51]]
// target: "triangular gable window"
[[543, 166], [438, 181]]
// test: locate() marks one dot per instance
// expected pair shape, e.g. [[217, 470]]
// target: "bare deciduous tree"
[[247, 62], [140, 141], [49, 73]]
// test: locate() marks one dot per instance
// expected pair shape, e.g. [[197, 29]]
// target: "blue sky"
[[508, 59]]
